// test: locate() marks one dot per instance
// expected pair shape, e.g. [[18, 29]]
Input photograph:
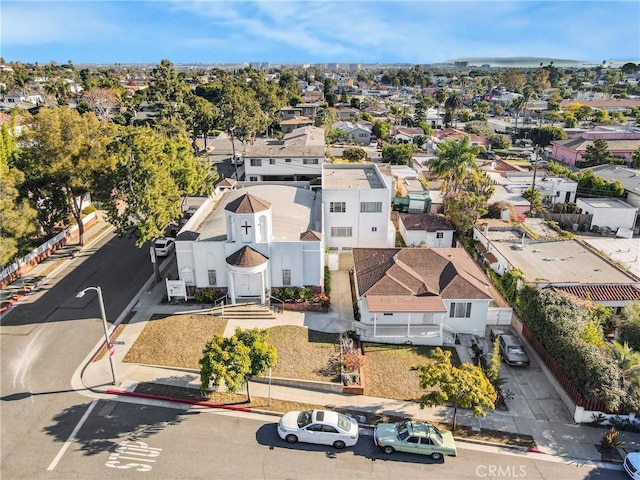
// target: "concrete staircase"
[[243, 311]]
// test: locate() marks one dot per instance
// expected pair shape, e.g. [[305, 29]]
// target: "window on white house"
[[287, 160], [286, 277], [439, 234], [272, 161], [338, 207], [341, 232], [213, 281], [256, 162], [310, 161], [460, 310], [370, 207], [374, 229]]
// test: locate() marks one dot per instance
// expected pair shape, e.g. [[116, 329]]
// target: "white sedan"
[[632, 465], [164, 246], [322, 427]]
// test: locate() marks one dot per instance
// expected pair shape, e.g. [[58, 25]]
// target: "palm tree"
[[629, 362], [453, 103], [517, 104], [441, 96], [453, 160]]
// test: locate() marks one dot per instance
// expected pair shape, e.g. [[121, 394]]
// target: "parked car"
[[415, 437], [512, 351], [632, 465], [496, 332], [164, 246], [322, 427], [487, 155]]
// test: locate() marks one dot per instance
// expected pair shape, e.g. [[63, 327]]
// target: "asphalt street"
[[43, 340], [125, 440]]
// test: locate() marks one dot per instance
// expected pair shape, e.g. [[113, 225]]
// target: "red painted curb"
[[533, 450], [116, 391]]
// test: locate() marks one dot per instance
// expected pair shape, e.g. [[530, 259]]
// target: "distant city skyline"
[[304, 31]]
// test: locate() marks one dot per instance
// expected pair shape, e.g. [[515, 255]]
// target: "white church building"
[[252, 239]]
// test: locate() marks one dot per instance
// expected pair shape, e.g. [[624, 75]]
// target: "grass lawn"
[[387, 370], [305, 354], [175, 340]]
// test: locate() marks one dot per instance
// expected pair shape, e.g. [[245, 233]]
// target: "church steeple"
[[248, 219]]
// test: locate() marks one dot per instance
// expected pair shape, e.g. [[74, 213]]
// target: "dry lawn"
[[387, 370], [175, 340], [305, 354]]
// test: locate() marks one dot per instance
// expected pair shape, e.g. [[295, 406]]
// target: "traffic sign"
[[112, 350], [116, 342]]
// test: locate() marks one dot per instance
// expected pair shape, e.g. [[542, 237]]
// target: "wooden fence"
[[563, 380], [569, 218]]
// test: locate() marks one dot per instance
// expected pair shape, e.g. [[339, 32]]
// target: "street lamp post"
[[103, 314]]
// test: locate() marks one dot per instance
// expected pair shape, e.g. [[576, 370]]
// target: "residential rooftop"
[[293, 211], [360, 176], [559, 262]]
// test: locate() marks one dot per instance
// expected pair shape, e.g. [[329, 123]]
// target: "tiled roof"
[[491, 258], [246, 257], [227, 182], [402, 303], [247, 203], [580, 144], [424, 221], [310, 235], [601, 292], [502, 166], [447, 273]]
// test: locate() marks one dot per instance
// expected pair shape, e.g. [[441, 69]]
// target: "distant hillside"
[[521, 62]]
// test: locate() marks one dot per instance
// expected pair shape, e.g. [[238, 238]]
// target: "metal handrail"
[[277, 309]]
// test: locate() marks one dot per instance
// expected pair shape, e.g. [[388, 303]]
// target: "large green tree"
[[399, 154], [17, 217], [241, 113], [235, 360], [150, 176], [543, 136], [465, 386], [65, 153]]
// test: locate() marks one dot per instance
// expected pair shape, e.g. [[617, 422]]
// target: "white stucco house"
[[356, 207], [250, 239], [418, 295], [609, 212], [298, 156], [425, 229]]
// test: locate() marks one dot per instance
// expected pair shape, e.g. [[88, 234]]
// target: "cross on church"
[[246, 227]]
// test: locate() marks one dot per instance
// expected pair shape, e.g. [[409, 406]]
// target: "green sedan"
[[415, 437]]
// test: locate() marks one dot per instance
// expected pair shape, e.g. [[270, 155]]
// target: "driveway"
[[531, 395]]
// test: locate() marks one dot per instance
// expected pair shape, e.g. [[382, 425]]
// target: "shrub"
[[87, 210], [352, 361], [327, 280], [630, 327], [208, 295], [611, 439], [558, 323]]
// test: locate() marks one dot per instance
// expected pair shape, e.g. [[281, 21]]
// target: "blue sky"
[[306, 31]]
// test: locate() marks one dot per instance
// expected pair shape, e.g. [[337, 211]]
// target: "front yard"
[[178, 341]]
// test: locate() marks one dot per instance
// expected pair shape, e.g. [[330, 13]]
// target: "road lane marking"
[[72, 436], [139, 451]]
